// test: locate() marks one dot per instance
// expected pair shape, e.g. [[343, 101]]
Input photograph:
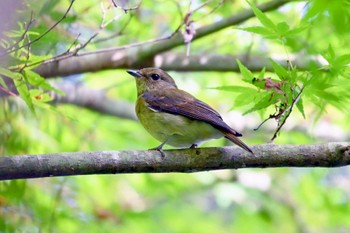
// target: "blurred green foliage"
[[247, 200]]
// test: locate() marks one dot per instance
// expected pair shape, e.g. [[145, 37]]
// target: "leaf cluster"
[[288, 86]]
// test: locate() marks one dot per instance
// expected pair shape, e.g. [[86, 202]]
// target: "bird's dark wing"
[[179, 102]]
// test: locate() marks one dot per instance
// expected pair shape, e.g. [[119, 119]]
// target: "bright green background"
[[246, 200]]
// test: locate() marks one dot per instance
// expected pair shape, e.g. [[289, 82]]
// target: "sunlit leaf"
[[247, 75], [262, 17], [314, 8], [36, 80], [24, 93], [280, 70], [300, 107], [10, 74], [264, 102], [260, 30], [329, 55], [40, 96], [298, 30], [34, 60], [343, 60], [262, 73], [242, 100], [282, 28]]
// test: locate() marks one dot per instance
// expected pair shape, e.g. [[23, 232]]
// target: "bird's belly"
[[178, 131], [194, 132]]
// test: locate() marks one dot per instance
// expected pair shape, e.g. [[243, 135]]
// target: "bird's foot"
[[160, 149], [194, 145]]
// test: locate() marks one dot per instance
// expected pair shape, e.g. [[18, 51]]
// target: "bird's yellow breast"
[[180, 131]]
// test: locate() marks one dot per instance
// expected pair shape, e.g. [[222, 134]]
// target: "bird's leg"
[[160, 148], [194, 145]]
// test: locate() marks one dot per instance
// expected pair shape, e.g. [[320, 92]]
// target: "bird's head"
[[152, 79]]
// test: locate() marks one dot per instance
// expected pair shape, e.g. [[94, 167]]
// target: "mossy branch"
[[333, 154]]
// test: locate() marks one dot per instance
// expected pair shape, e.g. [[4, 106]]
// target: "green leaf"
[[39, 96], [45, 105], [10, 74], [297, 30], [331, 52], [264, 102], [300, 107], [328, 96], [316, 8], [259, 83], [36, 80], [262, 17], [293, 75], [282, 28], [243, 99], [262, 73], [260, 30], [34, 60], [343, 60], [280, 70], [247, 75], [24, 93], [329, 55]]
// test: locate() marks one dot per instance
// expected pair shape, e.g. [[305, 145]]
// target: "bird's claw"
[[158, 148], [161, 153]]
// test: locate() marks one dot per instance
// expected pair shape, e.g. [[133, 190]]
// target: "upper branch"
[[185, 160], [134, 55]]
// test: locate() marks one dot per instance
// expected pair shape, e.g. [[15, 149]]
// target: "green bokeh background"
[[246, 200]]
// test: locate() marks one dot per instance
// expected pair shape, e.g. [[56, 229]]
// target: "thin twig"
[[270, 117], [26, 29], [210, 12], [7, 91], [126, 9], [44, 34], [288, 111], [27, 55], [73, 43], [66, 54], [139, 44], [118, 33]]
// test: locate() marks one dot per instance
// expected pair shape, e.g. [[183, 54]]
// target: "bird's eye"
[[155, 76]]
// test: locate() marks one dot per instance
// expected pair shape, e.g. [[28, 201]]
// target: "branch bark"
[[140, 54], [217, 62], [183, 160]]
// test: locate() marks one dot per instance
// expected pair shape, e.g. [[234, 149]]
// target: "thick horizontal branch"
[[185, 160], [216, 62], [140, 54]]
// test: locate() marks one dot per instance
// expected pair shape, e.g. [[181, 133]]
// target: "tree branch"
[[185, 160], [217, 62], [96, 100], [139, 54]]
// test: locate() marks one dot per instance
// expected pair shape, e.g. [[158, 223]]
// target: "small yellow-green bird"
[[175, 117]]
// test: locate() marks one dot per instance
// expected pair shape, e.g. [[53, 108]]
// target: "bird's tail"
[[237, 141]]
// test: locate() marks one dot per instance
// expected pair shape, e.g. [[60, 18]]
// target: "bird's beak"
[[135, 73]]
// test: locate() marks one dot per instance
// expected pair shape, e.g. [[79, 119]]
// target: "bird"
[[175, 117]]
